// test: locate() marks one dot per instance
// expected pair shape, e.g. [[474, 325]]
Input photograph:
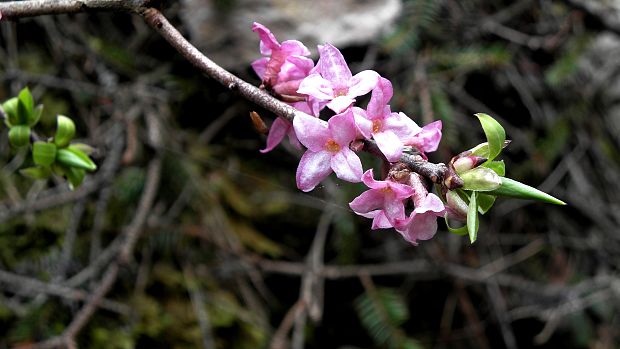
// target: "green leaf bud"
[[43, 153], [75, 158], [65, 131], [19, 136], [480, 179]]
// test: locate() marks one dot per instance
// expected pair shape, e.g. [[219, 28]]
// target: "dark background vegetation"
[[229, 240]]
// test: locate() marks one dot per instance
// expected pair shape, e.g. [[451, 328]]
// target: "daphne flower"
[[427, 138], [328, 149], [286, 65], [332, 81], [422, 222], [387, 196], [388, 129], [379, 219]]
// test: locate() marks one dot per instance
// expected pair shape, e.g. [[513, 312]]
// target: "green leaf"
[[482, 149], [472, 217], [36, 172], [480, 179], [43, 153], [35, 116], [84, 148], [498, 166], [10, 108], [19, 135], [485, 202], [75, 159], [75, 176], [24, 106], [65, 130], [514, 189], [495, 134], [458, 231]]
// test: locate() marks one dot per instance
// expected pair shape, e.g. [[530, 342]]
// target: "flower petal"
[[364, 125], [347, 165], [427, 140], [367, 201], [316, 86], [402, 126], [278, 130], [389, 144], [381, 95], [340, 103], [394, 209], [379, 220], [295, 68], [401, 191], [268, 41], [313, 168], [432, 204], [421, 227], [311, 131], [332, 65], [260, 66], [294, 47], [370, 181], [362, 83], [342, 128]]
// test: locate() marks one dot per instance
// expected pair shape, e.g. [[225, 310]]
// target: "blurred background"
[[232, 255]]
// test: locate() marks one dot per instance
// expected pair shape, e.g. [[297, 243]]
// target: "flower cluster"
[[290, 75]]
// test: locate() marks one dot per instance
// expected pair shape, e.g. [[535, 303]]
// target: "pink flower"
[[286, 65], [328, 149], [388, 129], [379, 219], [331, 80], [422, 222], [387, 196], [427, 138], [280, 128]]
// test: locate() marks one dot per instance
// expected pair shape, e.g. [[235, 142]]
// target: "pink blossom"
[[328, 149], [388, 129], [427, 138], [286, 65], [332, 81], [387, 196], [379, 219], [422, 223], [280, 128]]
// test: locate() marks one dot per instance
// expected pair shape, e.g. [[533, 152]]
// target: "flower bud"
[[19, 136], [75, 158], [43, 153], [467, 163], [456, 206], [65, 131], [480, 179]]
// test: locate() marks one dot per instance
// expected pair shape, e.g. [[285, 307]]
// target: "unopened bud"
[[258, 123], [19, 135], [467, 163], [480, 179], [43, 153], [457, 207]]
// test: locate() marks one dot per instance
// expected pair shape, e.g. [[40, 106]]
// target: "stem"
[[250, 92], [20, 9]]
